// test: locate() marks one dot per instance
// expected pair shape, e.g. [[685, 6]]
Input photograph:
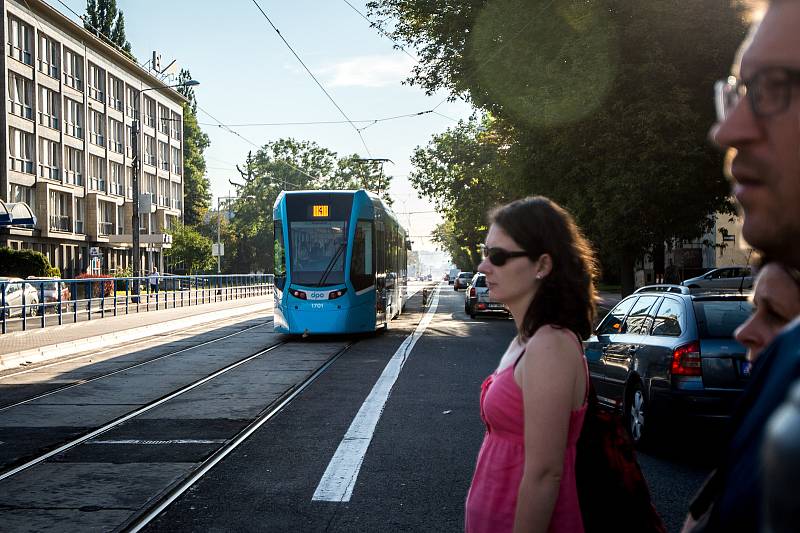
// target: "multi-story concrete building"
[[67, 135]]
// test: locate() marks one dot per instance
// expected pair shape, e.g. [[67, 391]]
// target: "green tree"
[[196, 185], [605, 105], [288, 164], [191, 248], [105, 20]]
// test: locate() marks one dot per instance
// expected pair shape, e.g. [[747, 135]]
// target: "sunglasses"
[[499, 257]]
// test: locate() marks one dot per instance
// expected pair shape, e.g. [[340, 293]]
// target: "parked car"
[[12, 292], [462, 280], [477, 298], [51, 287], [667, 353], [722, 278]]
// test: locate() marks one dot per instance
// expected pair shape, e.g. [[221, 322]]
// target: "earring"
[[538, 276]]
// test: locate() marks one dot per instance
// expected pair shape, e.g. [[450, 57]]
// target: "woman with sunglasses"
[[538, 263]]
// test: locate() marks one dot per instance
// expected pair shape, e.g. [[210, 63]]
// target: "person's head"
[[776, 301], [759, 122], [550, 278]]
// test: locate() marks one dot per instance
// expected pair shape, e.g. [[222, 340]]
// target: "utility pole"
[[135, 201]]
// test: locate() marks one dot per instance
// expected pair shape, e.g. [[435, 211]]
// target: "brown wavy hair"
[[567, 296]]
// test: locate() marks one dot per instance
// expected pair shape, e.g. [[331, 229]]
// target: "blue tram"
[[340, 262]]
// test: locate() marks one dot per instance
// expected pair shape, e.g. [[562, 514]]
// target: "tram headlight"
[[298, 294], [336, 294]]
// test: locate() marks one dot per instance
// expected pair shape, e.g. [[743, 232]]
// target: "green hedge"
[[24, 263]]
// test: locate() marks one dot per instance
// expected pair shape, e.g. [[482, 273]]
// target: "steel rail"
[[141, 520], [136, 365], [136, 412]]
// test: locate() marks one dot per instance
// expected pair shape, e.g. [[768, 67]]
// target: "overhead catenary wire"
[[381, 31], [369, 122], [314, 78]]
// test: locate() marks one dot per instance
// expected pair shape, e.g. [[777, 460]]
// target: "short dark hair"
[[566, 297]]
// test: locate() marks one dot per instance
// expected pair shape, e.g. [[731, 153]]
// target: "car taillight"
[[298, 294], [335, 294], [686, 360], [472, 292]]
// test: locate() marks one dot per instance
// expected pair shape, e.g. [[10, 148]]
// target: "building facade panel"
[[67, 117]]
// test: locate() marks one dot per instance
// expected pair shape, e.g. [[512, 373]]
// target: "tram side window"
[[362, 268], [381, 245], [280, 256]]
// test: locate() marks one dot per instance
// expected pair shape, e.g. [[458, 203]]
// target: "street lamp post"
[[219, 223], [135, 130]]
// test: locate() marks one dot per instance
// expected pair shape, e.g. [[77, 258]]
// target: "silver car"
[[478, 300], [733, 277], [11, 292]]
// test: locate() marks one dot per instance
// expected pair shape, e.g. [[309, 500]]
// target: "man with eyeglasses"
[[759, 123]]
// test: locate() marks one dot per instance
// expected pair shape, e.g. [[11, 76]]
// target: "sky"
[[248, 75]]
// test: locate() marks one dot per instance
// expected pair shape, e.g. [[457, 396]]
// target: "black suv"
[[667, 351]]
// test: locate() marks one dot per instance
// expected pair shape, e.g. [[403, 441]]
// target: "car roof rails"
[[709, 291], [675, 289]]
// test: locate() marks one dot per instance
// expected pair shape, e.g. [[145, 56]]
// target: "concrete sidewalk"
[[34, 346]]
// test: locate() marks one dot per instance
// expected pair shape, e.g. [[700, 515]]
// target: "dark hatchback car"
[[667, 353]]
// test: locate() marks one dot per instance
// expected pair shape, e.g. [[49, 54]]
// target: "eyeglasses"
[[769, 91], [499, 257]]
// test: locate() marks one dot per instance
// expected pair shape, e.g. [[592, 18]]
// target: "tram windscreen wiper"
[[329, 268]]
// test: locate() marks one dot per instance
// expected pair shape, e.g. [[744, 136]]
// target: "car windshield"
[[717, 319], [480, 281], [465, 275]]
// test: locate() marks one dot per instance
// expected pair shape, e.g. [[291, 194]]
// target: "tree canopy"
[[196, 185], [105, 20], [288, 164], [190, 248], [603, 106]]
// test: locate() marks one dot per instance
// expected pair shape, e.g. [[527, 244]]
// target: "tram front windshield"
[[318, 251]]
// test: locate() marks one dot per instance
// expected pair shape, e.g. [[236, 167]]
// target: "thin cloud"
[[369, 71]]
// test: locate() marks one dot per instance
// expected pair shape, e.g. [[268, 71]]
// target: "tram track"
[[57, 466], [80, 382]]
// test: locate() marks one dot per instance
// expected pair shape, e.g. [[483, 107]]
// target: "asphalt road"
[[420, 461]]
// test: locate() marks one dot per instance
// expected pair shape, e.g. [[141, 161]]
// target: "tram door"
[[380, 278]]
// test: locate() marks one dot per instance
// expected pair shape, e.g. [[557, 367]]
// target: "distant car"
[[477, 298], [462, 280], [429, 277], [666, 353], [722, 278], [51, 288], [11, 296]]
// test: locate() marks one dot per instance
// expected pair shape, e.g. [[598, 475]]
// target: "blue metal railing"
[[52, 301]]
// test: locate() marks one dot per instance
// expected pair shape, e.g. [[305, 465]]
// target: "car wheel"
[[466, 308], [472, 315], [635, 411], [33, 310]]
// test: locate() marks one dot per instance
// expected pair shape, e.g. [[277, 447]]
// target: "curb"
[[52, 351]]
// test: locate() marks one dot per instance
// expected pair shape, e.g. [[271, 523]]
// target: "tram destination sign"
[[319, 211]]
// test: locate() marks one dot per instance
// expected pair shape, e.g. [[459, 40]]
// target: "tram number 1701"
[[317, 306]]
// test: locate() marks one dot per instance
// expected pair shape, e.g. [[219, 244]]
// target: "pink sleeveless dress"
[[492, 497]]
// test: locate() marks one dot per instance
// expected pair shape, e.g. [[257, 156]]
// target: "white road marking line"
[[340, 477], [152, 442]]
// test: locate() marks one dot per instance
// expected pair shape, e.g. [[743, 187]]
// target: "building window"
[[73, 118], [73, 69], [20, 41], [49, 159], [49, 56], [115, 92], [128, 182], [150, 150], [117, 176], [115, 135], [163, 192], [21, 193], [73, 166], [164, 119], [20, 149], [149, 111], [97, 83], [49, 104], [176, 125], [163, 155], [60, 204], [97, 173], [149, 185], [120, 219], [20, 97], [177, 164], [176, 195], [97, 127], [80, 214], [107, 216], [132, 103]]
